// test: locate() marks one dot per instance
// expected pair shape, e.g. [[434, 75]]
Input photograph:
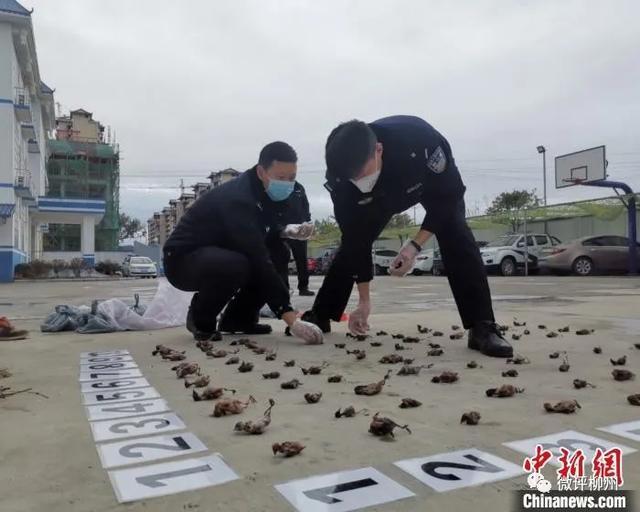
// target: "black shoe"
[[306, 293], [487, 338], [198, 334], [246, 329], [310, 316]]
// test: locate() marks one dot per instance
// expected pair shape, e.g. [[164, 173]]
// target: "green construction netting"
[[69, 148]]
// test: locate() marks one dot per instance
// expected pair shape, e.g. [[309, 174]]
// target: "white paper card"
[[170, 478], [106, 359], [148, 449], [630, 430], [88, 376], [463, 468], [109, 366], [99, 353], [113, 385], [342, 491], [571, 440], [125, 410], [111, 430], [116, 396]]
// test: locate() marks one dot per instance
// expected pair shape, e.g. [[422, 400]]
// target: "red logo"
[[538, 461], [571, 466], [608, 464]]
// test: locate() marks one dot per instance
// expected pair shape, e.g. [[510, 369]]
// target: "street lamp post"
[[541, 149]]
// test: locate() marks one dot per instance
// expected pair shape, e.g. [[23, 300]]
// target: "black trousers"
[[220, 278], [461, 257], [299, 251]]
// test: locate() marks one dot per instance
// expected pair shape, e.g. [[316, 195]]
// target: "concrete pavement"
[[50, 460]]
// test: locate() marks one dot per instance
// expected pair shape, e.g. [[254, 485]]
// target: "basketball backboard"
[[581, 167]]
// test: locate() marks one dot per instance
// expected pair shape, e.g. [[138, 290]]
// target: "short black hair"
[[348, 148], [277, 151]]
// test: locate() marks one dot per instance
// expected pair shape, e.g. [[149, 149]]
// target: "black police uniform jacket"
[[239, 216], [417, 167]]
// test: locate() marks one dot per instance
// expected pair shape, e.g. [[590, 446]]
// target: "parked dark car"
[[589, 255], [438, 266]]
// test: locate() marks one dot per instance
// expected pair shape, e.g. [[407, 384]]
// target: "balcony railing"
[[23, 183], [22, 105], [21, 97]]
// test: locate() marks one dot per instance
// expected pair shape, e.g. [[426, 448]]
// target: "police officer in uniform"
[[298, 213], [375, 171], [229, 248]]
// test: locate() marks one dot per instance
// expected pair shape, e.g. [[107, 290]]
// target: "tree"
[[325, 226], [506, 207], [400, 220], [129, 227]]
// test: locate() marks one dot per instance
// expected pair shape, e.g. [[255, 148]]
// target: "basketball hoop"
[[581, 167], [574, 181]]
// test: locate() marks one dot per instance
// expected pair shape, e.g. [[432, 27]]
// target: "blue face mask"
[[279, 190]]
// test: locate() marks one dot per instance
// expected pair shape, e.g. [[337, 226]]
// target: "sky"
[[192, 87]]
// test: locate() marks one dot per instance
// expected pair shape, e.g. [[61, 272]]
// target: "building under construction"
[[83, 164]]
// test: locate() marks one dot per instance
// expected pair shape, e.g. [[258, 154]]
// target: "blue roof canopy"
[[13, 7], [6, 210]]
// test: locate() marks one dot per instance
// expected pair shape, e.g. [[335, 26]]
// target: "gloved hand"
[[359, 319], [404, 261], [302, 231], [310, 333]]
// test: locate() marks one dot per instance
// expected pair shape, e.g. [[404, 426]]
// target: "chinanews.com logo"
[[575, 490]]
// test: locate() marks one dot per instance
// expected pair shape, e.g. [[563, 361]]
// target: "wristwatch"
[[416, 245]]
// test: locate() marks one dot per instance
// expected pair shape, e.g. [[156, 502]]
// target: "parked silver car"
[[589, 255], [140, 266]]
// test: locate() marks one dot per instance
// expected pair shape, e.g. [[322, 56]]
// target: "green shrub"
[[40, 268], [23, 270], [108, 267], [77, 265], [58, 266]]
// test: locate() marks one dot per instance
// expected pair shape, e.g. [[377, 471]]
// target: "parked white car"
[[424, 263], [139, 266], [506, 254], [382, 259]]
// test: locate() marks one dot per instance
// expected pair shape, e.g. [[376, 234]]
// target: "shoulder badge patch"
[[437, 162]]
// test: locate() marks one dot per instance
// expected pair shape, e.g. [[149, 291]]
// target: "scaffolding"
[[84, 170]]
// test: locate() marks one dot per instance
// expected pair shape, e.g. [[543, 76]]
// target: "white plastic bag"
[[167, 309]]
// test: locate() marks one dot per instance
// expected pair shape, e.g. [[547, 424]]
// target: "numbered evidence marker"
[[114, 396], [131, 427], [108, 366], [571, 440], [106, 359], [630, 430], [138, 408], [170, 478], [89, 375], [104, 353], [463, 468], [106, 385], [147, 449], [342, 491]]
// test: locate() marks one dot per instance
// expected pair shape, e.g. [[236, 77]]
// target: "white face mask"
[[366, 184]]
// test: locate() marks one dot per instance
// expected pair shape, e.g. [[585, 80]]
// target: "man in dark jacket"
[[229, 249], [298, 213], [375, 171]]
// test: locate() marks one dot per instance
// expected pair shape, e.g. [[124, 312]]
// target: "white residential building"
[[26, 122]]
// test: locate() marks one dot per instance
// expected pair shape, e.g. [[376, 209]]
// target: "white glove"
[[404, 261], [302, 231], [310, 333], [358, 319]]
